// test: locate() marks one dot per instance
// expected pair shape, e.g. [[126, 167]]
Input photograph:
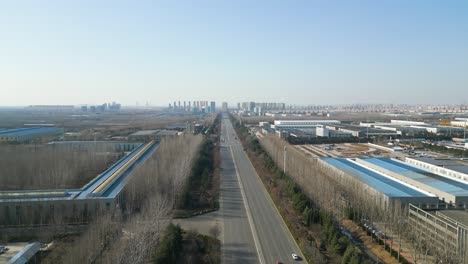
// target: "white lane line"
[[261, 258], [284, 225]]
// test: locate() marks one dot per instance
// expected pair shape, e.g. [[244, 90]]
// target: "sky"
[[297, 52]]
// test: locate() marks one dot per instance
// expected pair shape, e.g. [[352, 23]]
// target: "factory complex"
[[75, 206], [338, 129], [396, 180], [29, 134], [434, 193]]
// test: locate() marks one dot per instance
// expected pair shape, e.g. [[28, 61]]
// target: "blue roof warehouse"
[[29, 134]]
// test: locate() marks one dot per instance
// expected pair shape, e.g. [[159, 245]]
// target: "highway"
[[254, 231]]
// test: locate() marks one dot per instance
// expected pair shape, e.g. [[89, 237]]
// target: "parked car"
[[295, 257]]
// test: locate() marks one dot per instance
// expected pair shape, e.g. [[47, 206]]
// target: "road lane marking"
[[261, 258], [266, 193]]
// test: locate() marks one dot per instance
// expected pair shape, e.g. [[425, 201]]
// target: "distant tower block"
[[175, 105], [185, 106]]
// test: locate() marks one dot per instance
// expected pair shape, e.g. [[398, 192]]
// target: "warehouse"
[[453, 193], [456, 169], [284, 124], [22, 135], [359, 131], [384, 190], [147, 135], [324, 131], [74, 206], [446, 230]]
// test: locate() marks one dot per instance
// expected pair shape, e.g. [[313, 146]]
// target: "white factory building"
[[400, 126], [284, 124], [460, 122], [324, 131]]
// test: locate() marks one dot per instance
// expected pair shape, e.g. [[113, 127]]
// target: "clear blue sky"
[[299, 52]]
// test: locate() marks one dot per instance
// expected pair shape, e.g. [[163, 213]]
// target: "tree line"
[[343, 197], [26, 167], [132, 233]]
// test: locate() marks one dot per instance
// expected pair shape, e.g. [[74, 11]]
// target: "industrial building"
[[445, 230], [298, 124], [456, 169], [452, 193], [404, 126], [459, 122], [381, 189], [147, 135], [23, 135], [324, 131], [73, 206], [388, 181]]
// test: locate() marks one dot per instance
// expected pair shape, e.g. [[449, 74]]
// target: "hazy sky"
[[300, 52]]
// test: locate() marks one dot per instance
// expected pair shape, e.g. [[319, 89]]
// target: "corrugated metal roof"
[[451, 164], [441, 183], [25, 254], [27, 131], [382, 184]]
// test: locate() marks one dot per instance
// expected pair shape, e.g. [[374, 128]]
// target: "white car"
[[295, 257]]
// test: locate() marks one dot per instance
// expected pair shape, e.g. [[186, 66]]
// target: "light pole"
[[284, 160]]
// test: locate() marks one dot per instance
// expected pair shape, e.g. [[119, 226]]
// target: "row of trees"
[[26, 167], [461, 153], [283, 188], [341, 196], [201, 191], [132, 234]]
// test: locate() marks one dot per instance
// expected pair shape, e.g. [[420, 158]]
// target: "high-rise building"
[[185, 106], [212, 106], [225, 106]]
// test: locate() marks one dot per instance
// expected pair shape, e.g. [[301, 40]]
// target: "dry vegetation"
[[45, 167], [344, 197], [133, 234]]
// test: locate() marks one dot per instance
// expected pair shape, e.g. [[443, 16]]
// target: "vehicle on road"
[[295, 257]]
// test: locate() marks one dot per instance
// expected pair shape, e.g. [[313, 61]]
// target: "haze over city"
[[234, 132], [306, 52]]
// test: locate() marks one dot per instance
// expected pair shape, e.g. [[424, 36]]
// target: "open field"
[[80, 125]]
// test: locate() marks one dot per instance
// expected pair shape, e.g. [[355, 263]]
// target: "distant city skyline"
[[299, 53]]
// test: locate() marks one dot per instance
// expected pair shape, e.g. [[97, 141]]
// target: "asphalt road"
[[254, 231]]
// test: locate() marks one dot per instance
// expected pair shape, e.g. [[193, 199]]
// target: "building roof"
[[167, 133], [451, 164], [438, 182], [27, 131], [145, 133], [460, 216], [381, 183], [26, 253], [176, 126]]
